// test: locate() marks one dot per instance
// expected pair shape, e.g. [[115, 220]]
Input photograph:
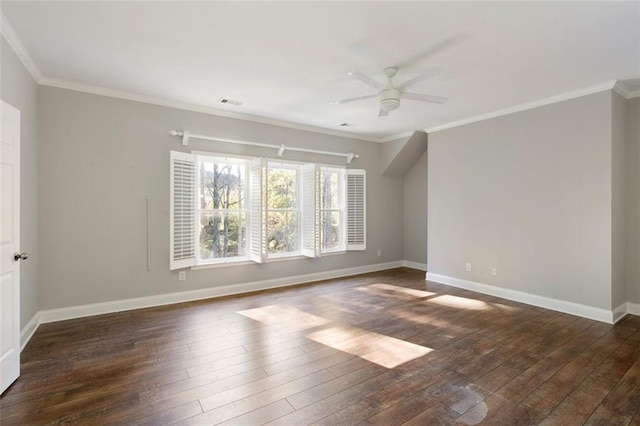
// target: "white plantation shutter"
[[310, 210], [356, 210], [257, 210], [182, 210]]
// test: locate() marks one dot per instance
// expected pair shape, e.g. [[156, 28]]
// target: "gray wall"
[[530, 194], [618, 199], [18, 89], [390, 151], [399, 155], [415, 212], [633, 201], [101, 158]]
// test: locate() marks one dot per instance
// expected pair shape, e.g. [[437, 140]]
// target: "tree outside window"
[[227, 210], [282, 210], [222, 205]]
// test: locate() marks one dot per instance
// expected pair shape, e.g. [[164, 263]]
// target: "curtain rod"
[[186, 135]]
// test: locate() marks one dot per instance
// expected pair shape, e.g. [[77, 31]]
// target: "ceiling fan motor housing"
[[389, 99]]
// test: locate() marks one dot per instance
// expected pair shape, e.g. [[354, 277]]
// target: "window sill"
[[245, 262], [223, 264], [287, 257], [333, 253]]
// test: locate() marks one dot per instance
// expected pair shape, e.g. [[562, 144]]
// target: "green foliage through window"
[[223, 218], [282, 210]]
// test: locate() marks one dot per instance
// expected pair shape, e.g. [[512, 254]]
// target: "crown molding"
[[120, 94], [16, 44], [529, 105], [18, 47], [624, 90], [406, 134]]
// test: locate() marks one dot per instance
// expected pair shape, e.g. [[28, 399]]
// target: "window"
[[332, 210], [283, 228], [222, 212], [226, 209]]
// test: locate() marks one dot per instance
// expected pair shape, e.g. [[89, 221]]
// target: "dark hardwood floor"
[[383, 348]]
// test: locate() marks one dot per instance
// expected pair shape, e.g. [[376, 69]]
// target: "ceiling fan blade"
[[383, 113], [419, 78], [424, 98], [436, 47], [358, 98], [366, 79]]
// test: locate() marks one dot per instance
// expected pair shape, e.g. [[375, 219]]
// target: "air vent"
[[228, 101]]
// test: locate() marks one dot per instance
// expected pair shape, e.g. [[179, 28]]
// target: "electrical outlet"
[[469, 266], [182, 275], [494, 272]]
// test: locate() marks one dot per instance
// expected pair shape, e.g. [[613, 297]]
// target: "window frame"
[[185, 201], [198, 156], [286, 165], [341, 210]]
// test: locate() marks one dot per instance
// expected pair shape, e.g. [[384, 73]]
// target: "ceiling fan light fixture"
[[389, 99], [390, 94], [389, 104]]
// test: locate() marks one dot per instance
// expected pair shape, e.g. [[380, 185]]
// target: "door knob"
[[17, 256]]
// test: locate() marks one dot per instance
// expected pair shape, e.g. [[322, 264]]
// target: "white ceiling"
[[287, 60]]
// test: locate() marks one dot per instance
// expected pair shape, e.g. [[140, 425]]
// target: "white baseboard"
[[51, 315], [28, 330], [584, 311], [633, 308], [414, 265], [60, 314], [619, 312]]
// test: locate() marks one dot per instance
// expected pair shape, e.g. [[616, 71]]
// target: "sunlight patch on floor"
[[383, 350], [451, 301], [506, 308], [385, 290], [288, 316], [431, 320]]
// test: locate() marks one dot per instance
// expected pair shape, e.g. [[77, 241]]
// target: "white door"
[[9, 245]]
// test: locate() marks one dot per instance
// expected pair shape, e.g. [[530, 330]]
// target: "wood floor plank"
[[315, 411], [218, 408], [485, 412], [172, 415], [331, 387], [435, 415], [312, 354], [262, 415], [414, 404], [283, 383]]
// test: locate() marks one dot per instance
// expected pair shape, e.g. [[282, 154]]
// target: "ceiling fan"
[[391, 94]]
